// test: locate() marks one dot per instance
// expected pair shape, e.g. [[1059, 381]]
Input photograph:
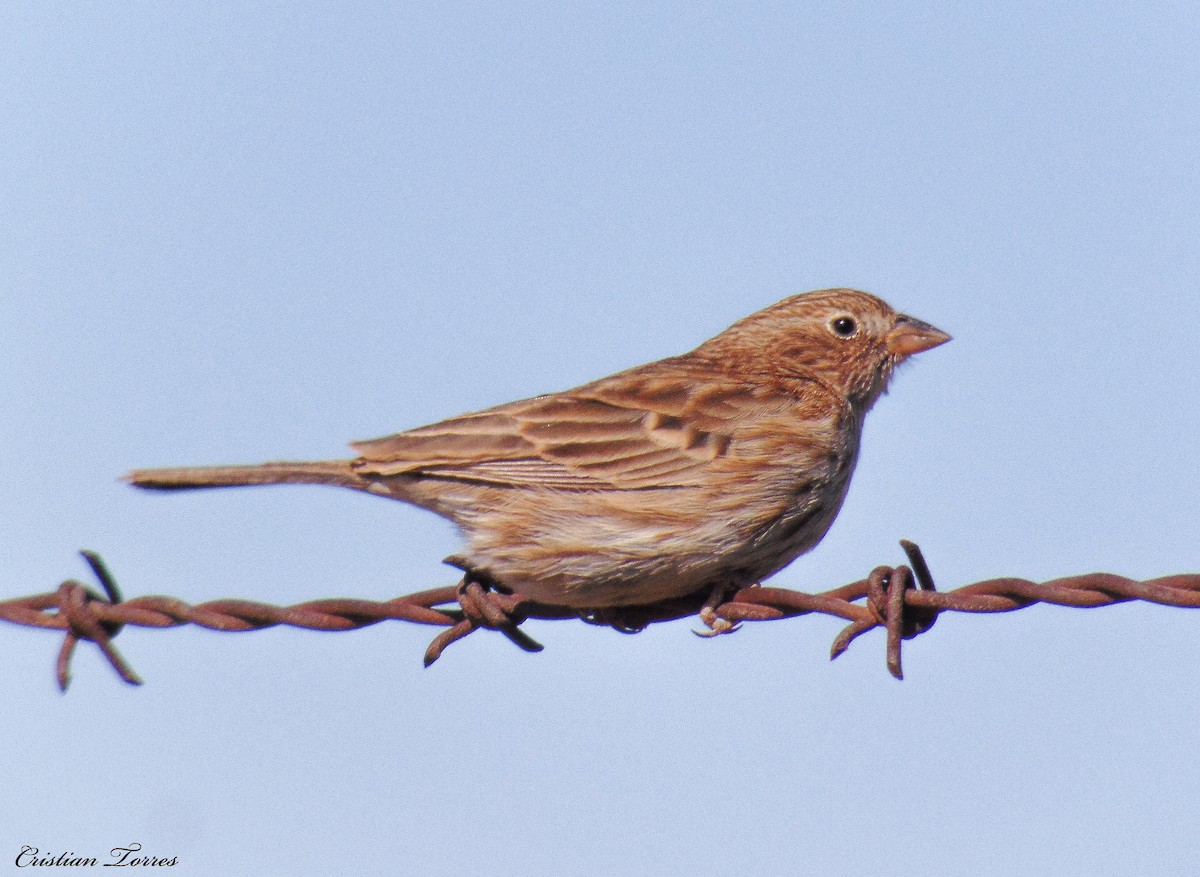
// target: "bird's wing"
[[635, 430]]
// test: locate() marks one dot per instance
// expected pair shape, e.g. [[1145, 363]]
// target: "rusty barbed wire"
[[903, 600]]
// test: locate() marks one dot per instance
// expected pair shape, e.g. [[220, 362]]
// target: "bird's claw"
[[715, 623]]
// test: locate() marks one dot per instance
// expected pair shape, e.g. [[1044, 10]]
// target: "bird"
[[699, 473]]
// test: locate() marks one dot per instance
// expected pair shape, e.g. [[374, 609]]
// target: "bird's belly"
[[590, 564], [592, 550]]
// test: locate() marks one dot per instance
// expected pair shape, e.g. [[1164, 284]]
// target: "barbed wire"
[[902, 599]]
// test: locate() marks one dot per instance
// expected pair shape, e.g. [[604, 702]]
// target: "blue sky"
[[238, 232]]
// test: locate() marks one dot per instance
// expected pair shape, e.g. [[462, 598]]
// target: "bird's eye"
[[843, 327]]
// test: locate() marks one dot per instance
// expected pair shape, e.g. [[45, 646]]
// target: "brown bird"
[[706, 471]]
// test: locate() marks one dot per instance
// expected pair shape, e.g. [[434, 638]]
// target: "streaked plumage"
[[711, 469]]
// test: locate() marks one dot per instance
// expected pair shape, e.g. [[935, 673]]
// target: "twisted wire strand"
[[903, 600]]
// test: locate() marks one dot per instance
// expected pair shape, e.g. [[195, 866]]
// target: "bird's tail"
[[336, 472]]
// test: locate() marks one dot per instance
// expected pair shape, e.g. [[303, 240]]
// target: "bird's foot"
[[711, 617]]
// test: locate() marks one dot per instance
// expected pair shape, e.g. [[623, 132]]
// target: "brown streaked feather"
[[635, 430]]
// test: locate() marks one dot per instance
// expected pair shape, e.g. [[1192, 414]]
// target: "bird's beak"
[[910, 335]]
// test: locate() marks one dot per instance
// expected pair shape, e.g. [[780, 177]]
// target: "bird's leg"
[[708, 613]]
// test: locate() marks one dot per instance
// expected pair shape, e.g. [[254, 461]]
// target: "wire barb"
[[902, 600], [76, 605]]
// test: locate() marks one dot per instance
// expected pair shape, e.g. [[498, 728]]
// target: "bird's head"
[[848, 340]]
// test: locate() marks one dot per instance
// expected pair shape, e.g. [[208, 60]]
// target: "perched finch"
[[706, 471]]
